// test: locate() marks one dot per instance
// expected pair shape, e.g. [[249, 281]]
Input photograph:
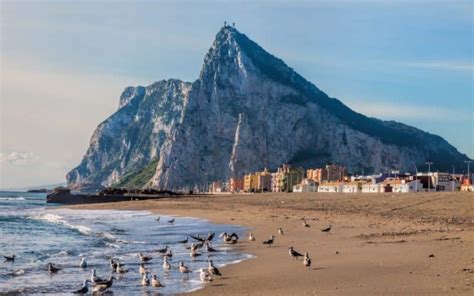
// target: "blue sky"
[[64, 64]]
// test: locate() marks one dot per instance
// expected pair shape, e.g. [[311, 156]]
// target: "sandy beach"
[[380, 244]]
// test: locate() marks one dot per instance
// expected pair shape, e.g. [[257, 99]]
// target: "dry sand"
[[379, 243]]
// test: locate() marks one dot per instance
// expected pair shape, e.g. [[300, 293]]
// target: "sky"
[[64, 64]]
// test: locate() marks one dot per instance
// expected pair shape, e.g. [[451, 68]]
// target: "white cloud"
[[402, 111], [18, 158], [441, 65]]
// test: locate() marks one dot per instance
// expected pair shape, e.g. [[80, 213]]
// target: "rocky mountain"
[[246, 111]]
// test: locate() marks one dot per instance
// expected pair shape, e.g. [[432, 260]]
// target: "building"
[[401, 186], [330, 173], [264, 181], [371, 187], [331, 187], [307, 185], [286, 177], [250, 182], [236, 185], [352, 187], [466, 185]]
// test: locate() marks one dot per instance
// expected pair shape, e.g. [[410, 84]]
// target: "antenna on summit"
[[225, 24], [233, 25]]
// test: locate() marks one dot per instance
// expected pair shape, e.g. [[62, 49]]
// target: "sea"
[[38, 233]]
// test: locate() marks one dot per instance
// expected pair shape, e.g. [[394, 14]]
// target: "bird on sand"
[[166, 264], [99, 289], [327, 228], [113, 264], [306, 260], [120, 269], [194, 254], [163, 251], [210, 249], [212, 269], [158, 219], [9, 258], [155, 283], [52, 268], [251, 237], [280, 231], [83, 263], [108, 282], [204, 276], [144, 258], [293, 253], [305, 224], [270, 241], [145, 279], [183, 268], [142, 268], [94, 278], [229, 239], [84, 289], [185, 241], [171, 221]]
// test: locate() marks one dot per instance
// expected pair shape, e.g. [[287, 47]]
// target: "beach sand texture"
[[379, 244]]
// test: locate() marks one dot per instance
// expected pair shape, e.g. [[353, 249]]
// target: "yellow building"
[[251, 182], [287, 177]]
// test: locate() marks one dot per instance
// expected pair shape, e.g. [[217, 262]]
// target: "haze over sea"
[[38, 233]]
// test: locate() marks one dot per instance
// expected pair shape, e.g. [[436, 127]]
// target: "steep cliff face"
[[249, 110], [132, 137]]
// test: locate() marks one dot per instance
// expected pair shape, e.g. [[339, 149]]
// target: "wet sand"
[[380, 244]]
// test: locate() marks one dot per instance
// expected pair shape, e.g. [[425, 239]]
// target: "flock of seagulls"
[[206, 275]]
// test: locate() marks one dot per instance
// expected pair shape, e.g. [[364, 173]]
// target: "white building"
[[401, 186], [330, 187], [352, 187], [372, 188], [307, 185]]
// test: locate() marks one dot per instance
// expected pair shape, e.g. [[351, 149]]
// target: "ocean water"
[[38, 233]]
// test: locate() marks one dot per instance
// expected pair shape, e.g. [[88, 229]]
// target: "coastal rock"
[[247, 110]]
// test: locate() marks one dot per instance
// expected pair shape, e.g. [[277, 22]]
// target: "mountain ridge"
[[249, 110]]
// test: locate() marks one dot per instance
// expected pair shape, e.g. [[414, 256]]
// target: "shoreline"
[[379, 244]]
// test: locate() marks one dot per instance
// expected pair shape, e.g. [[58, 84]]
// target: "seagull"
[[210, 236], [163, 251], [204, 276], [108, 282], [197, 237], [184, 241], [113, 264], [306, 260], [251, 237], [210, 249], [155, 283], [94, 278], [183, 268], [270, 241], [293, 253], [158, 219], [194, 254], [229, 239], [280, 231], [305, 224], [99, 289], [166, 264], [83, 263], [84, 289], [144, 258], [327, 229], [145, 279], [194, 247], [171, 221], [120, 269], [9, 258], [168, 254], [52, 268], [212, 269], [142, 268]]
